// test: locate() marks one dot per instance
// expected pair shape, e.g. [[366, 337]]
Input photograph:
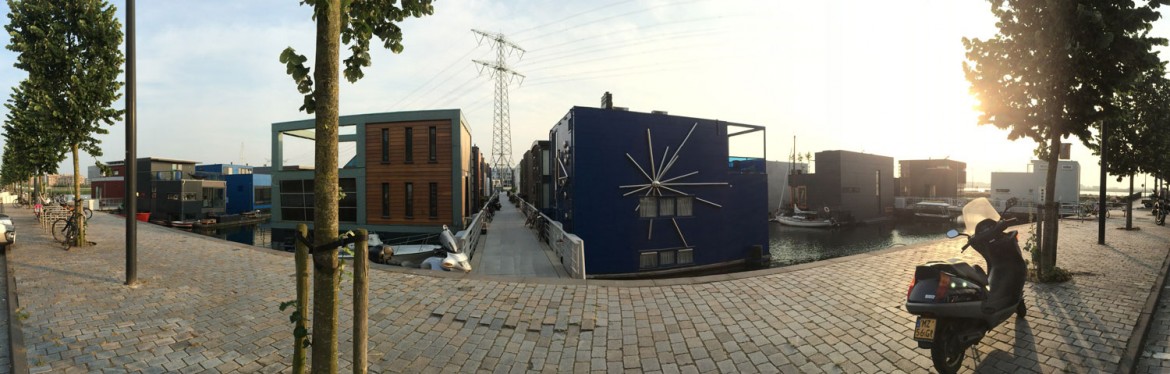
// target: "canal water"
[[797, 245], [789, 245]]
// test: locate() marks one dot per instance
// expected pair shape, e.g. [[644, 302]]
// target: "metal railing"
[[109, 204], [468, 238], [570, 249]]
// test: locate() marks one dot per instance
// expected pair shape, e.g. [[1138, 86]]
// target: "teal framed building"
[[411, 173]]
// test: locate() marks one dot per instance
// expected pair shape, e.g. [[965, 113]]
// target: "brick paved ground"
[[208, 305], [1156, 352]]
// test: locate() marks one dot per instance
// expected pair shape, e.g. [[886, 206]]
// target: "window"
[[347, 206], [409, 200], [433, 201], [648, 260], [409, 144], [684, 206], [666, 206], [686, 256], [263, 195], [434, 144], [385, 145], [385, 200], [648, 206], [666, 258], [296, 200]]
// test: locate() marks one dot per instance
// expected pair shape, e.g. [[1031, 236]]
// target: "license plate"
[[924, 329]]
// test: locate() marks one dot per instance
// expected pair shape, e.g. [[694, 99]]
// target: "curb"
[[1141, 329], [18, 355]]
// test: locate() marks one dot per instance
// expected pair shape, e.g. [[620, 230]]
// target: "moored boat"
[[933, 211], [802, 218]]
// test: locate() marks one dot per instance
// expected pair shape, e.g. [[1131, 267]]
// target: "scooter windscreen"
[[976, 211]]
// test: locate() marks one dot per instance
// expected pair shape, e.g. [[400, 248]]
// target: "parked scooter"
[[956, 303]]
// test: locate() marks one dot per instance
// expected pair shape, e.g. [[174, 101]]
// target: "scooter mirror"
[[953, 233]]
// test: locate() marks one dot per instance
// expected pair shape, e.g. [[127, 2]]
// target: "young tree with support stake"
[[353, 22], [70, 49], [1054, 70]]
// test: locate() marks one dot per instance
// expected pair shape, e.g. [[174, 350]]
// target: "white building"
[[1028, 186]]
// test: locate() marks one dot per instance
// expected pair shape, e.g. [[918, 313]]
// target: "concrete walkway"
[[210, 305], [512, 249]]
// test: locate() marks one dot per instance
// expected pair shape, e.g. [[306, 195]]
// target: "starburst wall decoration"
[[659, 184]]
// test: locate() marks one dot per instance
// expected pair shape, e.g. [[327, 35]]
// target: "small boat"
[[804, 218], [183, 224], [933, 211]]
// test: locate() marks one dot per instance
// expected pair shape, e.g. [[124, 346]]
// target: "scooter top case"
[[953, 289]]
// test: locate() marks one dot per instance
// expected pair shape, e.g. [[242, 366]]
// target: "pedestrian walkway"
[[512, 249], [210, 305]]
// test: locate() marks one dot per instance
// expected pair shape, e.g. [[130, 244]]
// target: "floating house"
[[247, 190], [1028, 186], [536, 176], [850, 186], [653, 194], [411, 174], [931, 178], [168, 189]]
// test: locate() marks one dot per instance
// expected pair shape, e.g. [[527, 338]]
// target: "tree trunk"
[[302, 320], [325, 228], [1129, 206], [78, 211], [1048, 241]]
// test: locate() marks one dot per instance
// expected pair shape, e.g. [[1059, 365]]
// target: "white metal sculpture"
[[658, 183]]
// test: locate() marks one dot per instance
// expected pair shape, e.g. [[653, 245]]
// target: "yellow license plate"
[[924, 329]]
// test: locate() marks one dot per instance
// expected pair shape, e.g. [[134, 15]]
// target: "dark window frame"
[[385, 200], [385, 146], [433, 201], [409, 145], [433, 142], [409, 200]]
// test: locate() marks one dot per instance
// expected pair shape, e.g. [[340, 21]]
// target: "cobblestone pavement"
[[5, 344], [1155, 356], [210, 305]]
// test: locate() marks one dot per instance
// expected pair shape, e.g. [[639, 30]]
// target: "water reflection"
[[796, 245], [259, 235]]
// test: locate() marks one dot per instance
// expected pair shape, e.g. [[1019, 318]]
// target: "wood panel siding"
[[421, 172]]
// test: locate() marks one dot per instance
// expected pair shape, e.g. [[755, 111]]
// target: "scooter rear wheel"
[[947, 352]]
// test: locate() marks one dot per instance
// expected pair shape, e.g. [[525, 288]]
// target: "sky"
[[874, 77]]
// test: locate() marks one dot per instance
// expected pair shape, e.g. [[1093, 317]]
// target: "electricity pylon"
[[501, 126]]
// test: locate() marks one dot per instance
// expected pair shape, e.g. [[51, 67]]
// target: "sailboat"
[[805, 218]]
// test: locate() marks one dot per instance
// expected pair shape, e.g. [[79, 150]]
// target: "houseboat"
[[412, 173], [653, 194]]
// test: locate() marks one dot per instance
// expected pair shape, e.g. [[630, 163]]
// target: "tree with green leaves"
[[71, 50], [32, 148], [1054, 70], [1140, 134], [354, 23]]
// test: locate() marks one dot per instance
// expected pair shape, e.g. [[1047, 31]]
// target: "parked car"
[[9, 229]]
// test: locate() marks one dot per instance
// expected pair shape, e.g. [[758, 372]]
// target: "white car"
[[9, 229]]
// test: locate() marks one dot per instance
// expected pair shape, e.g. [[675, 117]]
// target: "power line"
[[432, 79], [544, 35]]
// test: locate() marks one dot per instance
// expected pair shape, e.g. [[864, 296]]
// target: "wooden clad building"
[[412, 173]]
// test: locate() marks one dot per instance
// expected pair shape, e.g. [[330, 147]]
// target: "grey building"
[[931, 178], [849, 185]]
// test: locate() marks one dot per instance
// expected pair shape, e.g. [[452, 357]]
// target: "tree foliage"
[[1055, 69], [354, 23], [71, 50], [1139, 136]]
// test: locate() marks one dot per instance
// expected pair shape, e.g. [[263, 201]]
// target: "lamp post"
[[131, 178]]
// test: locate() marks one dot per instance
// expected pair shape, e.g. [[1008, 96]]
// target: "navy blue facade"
[[592, 151], [248, 192]]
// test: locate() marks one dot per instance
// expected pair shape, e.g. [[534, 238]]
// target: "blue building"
[[246, 191], [653, 194]]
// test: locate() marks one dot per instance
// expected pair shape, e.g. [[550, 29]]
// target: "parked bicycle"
[[85, 210], [65, 231]]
